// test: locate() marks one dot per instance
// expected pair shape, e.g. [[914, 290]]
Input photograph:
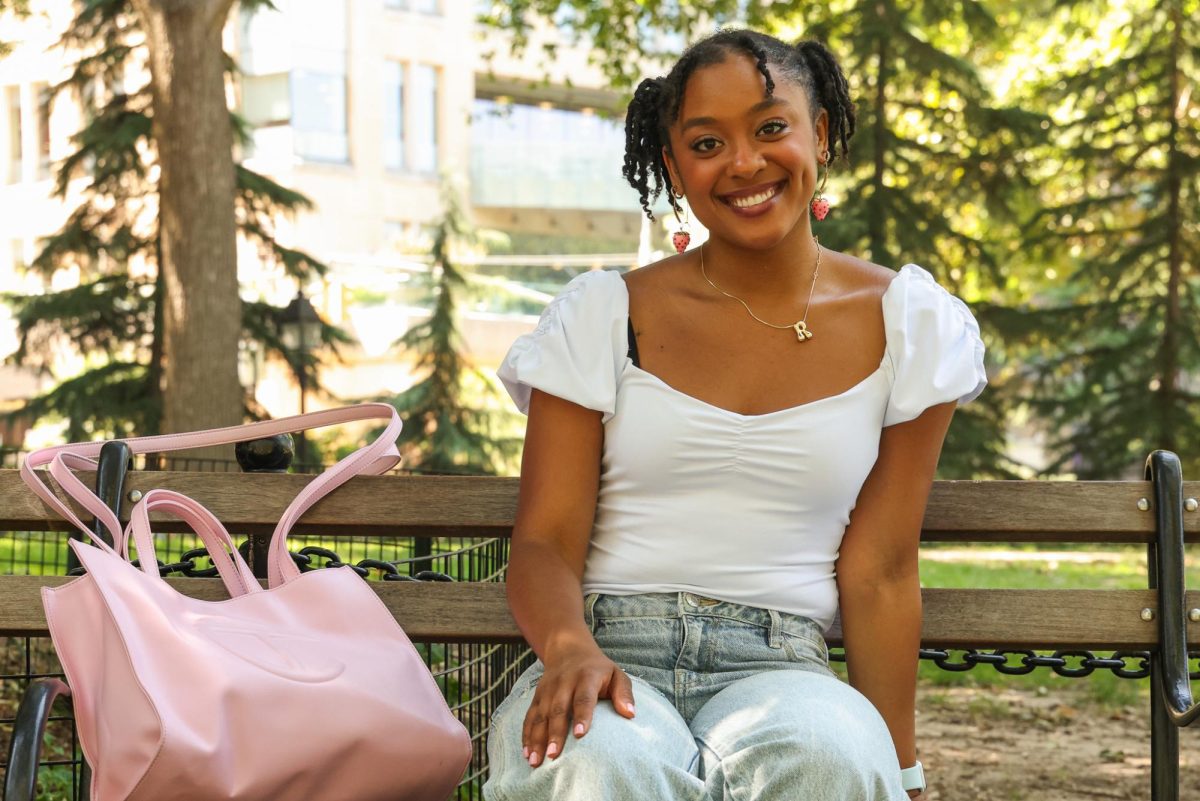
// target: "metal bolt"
[[135, 495], [1191, 505], [1147, 614], [1194, 615], [1143, 504]]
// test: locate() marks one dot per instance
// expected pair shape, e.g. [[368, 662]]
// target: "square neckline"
[[629, 365]]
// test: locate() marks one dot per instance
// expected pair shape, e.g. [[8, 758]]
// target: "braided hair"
[[655, 104]]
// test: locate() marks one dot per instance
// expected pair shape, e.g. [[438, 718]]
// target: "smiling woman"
[[727, 449]]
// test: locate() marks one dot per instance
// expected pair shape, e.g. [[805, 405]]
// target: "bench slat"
[[953, 618], [980, 511]]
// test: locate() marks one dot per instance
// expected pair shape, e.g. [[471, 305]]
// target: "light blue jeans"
[[734, 703]]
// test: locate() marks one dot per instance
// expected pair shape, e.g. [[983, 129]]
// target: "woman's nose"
[[747, 159]]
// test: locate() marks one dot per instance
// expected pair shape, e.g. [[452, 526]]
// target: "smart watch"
[[913, 778]]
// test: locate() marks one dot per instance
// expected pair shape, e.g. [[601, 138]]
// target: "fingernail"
[[632, 708], [551, 750], [525, 752], [533, 759], [578, 729]]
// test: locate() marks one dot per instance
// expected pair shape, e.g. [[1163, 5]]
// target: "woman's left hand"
[[918, 795]]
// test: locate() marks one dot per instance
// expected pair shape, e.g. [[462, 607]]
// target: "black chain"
[[306, 559], [1072, 663], [309, 558]]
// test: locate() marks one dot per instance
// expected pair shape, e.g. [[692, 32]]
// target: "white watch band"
[[913, 778]]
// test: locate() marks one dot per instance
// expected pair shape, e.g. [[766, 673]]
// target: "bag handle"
[[373, 459], [231, 567], [280, 567]]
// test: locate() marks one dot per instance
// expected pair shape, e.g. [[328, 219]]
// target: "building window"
[[424, 98], [393, 115], [318, 80], [319, 116], [43, 98], [265, 99], [539, 156], [12, 102], [419, 6]]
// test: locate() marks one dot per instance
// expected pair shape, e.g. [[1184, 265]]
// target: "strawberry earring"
[[681, 238], [820, 206]]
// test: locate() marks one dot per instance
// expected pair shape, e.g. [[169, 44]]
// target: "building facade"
[[368, 107]]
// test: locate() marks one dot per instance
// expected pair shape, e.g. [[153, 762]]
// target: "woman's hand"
[[573, 681], [918, 795]]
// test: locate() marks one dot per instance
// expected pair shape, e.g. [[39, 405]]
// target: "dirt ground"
[[996, 744]]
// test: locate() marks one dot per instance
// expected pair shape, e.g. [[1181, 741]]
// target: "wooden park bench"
[[961, 627]]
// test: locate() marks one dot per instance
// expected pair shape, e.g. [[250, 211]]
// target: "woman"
[[723, 450]]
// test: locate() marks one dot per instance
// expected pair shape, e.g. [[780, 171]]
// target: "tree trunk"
[[201, 310]]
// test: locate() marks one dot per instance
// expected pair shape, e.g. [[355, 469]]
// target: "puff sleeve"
[[578, 348], [934, 351]]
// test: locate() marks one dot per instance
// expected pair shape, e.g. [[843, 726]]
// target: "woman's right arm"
[[560, 476]]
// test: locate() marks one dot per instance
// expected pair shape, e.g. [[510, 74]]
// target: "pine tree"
[[114, 239], [450, 426], [1113, 350]]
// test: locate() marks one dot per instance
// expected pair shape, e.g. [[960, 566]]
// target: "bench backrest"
[[424, 506]]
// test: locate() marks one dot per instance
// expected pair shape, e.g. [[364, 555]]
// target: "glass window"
[[545, 157], [265, 99], [319, 116], [393, 115], [318, 81], [424, 98], [12, 101], [41, 95], [419, 6]]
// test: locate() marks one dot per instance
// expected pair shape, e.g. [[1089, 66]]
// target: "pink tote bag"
[[307, 690]]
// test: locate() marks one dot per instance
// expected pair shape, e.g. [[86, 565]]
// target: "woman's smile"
[[754, 200]]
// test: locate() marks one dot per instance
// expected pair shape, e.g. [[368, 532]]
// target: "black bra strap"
[[633, 351]]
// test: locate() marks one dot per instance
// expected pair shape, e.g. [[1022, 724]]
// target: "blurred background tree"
[[454, 419], [115, 317], [1109, 343]]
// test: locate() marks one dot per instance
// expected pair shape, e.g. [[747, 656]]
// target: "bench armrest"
[[25, 748], [1167, 575]]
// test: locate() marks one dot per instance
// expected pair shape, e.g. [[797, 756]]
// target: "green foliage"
[[450, 426], [111, 238], [1110, 349]]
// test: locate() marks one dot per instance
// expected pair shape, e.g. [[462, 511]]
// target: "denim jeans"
[[734, 703]]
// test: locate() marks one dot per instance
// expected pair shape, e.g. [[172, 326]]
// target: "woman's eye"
[[705, 145], [773, 127]]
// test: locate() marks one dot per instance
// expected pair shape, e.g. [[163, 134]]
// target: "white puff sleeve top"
[[743, 508], [933, 346], [577, 351]]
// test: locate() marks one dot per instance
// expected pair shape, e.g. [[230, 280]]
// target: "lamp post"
[[299, 327]]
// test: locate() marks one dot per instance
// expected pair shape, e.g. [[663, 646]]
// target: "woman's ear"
[[821, 129], [672, 170]]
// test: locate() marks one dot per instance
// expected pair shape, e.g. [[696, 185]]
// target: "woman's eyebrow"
[[762, 105]]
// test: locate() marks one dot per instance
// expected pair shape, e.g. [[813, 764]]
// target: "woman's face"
[[746, 162]]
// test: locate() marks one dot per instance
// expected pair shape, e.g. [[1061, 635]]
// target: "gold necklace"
[[801, 325]]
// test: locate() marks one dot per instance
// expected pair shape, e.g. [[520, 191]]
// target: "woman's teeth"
[[754, 200]]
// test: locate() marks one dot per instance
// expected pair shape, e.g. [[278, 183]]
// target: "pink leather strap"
[[373, 459], [232, 569]]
